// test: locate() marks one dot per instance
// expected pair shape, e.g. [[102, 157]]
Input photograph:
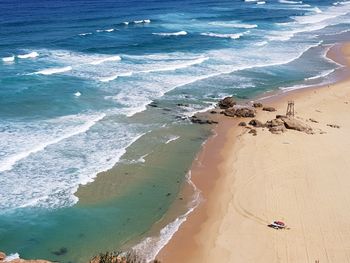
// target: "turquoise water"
[[76, 81]]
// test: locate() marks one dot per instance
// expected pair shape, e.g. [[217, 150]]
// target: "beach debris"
[[227, 102], [270, 109], [277, 225], [240, 112], [333, 126], [257, 105], [60, 252], [256, 123], [242, 124], [313, 120]]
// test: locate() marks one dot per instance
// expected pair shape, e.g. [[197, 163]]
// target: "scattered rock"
[[257, 105], [227, 102], [183, 105], [333, 126], [256, 123], [168, 194], [213, 112], [269, 109], [313, 120], [242, 124], [253, 132]]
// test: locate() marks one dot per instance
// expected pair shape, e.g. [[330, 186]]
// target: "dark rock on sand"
[[333, 126], [257, 105], [241, 112], [276, 126], [242, 124], [256, 123], [198, 120], [226, 103], [269, 109], [313, 120], [253, 132], [293, 124]]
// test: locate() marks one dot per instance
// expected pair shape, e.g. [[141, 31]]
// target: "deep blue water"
[[73, 74]]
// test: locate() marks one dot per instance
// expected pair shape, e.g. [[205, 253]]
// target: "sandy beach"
[[249, 181]]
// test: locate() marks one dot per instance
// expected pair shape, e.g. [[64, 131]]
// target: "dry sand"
[[248, 181]]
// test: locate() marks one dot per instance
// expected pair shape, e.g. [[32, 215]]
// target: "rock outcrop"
[[276, 126], [294, 124], [240, 112], [227, 102], [269, 109], [242, 124], [201, 120]]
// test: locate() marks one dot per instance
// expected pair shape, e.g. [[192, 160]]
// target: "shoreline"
[[189, 241]]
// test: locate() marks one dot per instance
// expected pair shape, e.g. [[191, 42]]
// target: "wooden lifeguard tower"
[[290, 109]]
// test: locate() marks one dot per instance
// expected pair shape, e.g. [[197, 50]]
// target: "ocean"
[[95, 140]]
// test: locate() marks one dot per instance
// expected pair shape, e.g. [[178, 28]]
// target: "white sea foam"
[[77, 94], [63, 166], [11, 257], [180, 33], [9, 162], [151, 246], [290, 2], [181, 65], [231, 36], [322, 74], [260, 2], [85, 34], [107, 59], [172, 138], [233, 24], [115, 76], [126, 23], [51, 71], [8, 59], [109, 30], [33, 54], [145, 21]]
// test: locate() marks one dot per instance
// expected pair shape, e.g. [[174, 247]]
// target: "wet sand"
[[248, 181]]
